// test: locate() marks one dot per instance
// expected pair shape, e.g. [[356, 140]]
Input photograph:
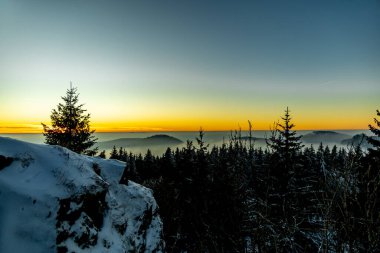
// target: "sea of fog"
[[211, 138]]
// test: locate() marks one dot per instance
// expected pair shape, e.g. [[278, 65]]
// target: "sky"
[[181, 65]]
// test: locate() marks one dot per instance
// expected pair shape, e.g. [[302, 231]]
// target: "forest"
[[285, 198]]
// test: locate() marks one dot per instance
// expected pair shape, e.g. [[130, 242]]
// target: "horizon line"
[[167, 131]]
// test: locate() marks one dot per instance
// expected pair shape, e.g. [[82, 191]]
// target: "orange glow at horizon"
[[194, 125], [138, 70]]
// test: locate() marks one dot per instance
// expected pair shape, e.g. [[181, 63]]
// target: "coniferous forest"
[[118, 164], [285, 198]]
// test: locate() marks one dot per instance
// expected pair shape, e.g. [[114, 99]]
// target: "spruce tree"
[[285, 140], [372, 140], [114, 154], [371, 188], [285, 179], [70, 126], [102, 154], [286, 146]]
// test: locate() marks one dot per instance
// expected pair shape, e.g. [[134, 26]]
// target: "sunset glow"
[[150, 66]]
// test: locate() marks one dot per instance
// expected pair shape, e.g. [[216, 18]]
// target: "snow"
[[40, 176]]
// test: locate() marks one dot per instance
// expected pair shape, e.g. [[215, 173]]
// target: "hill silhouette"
[[324, 137], [155, 140]]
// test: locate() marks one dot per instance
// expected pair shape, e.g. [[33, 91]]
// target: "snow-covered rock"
[[54, 200]]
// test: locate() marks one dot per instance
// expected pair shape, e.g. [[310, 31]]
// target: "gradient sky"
[[179, 65]]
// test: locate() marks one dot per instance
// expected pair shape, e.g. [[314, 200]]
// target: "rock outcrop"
[[54, 200]]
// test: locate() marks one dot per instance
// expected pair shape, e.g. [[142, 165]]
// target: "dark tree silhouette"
[[375, 142], [285, 175], [370, 190], [70, 126], [114, 154], [102, 154], [236, 198], [286, 147], [285, 140]]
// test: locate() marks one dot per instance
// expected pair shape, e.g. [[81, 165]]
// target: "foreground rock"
[[54, 200]]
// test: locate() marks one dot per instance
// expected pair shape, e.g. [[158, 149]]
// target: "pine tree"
[[70, 126], [286, 177], [286, 146], [114, 154], [102, 154], [123, 155], [371, 190], [372, 140], [284, 140]]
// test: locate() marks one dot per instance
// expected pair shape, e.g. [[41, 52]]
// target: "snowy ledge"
[[52, 200]]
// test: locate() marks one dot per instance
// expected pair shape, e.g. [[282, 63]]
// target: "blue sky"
[[176, 65]]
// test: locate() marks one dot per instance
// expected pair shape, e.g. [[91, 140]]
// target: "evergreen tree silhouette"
[[372, 140], [285, 141], [370, 191], [114, 154], [71, 126], [102, 154], [285, 179], [286, 147]]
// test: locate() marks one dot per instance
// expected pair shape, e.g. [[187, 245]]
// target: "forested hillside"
[[286, 198]]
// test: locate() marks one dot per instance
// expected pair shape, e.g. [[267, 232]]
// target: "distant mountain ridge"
[[254, 139], [324, 132], [359, 139], [317, 137], [154, 140]]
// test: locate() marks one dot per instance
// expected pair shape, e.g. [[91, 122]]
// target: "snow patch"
[[52, 200]]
